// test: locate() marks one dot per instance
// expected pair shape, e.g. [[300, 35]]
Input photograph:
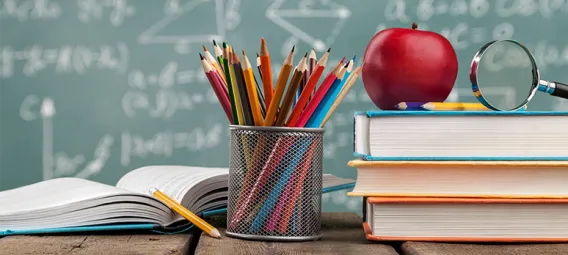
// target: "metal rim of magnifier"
[[474, 69]]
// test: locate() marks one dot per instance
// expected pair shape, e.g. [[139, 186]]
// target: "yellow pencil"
[[251, 89], [236, 95], [441, 106], [200, 223]]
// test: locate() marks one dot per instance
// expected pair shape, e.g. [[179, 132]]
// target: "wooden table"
[[342, 234]]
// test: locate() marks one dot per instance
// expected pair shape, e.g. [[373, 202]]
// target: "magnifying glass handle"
[[554, 88]]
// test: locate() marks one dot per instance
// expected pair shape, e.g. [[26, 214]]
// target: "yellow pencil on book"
[[200, 223], [440, 106]]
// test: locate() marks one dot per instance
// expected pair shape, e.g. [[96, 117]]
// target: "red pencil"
[[309, 88], [318, 96], [217, 85]]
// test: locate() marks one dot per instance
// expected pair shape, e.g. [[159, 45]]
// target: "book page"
[[52, 194], [174, 181]]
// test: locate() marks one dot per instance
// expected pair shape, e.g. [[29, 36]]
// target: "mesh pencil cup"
[[275, 183]]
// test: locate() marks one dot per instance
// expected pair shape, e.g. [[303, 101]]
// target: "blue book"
[[68, 205], [460, 135]]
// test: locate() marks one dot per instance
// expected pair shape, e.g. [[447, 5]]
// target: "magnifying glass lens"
[[505, 75]]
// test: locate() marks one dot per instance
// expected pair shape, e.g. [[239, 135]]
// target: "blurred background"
[[96, 88]]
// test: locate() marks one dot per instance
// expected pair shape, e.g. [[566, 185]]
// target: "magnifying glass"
[[504, 76]]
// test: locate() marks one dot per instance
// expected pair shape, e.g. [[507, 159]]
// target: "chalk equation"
[[95, 10], [26, 10], [166, 143], [67, 59], [157, 95]]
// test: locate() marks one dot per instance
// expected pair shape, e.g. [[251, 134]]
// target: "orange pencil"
[[266, 73], [308, 88], [280, 88], [291, 92]]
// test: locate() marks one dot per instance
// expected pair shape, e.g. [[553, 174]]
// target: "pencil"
[[266, 72], [310, 86], [216, 84], [312, 63], [219, 55], [236, 94], [229, 83], [191, 217], [213, 62], [280, 88], [258, 65], [243, 94], [348, 84], [441, 106], [318, 96], [260, 96], [318, 114], [291, 92], [251, 89]]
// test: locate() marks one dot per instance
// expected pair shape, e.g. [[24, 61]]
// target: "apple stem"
[[414, 25]]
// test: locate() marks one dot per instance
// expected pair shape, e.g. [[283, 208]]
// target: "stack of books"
[[478, 176]]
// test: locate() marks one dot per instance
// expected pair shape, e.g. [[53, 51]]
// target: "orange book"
[[466, 219]]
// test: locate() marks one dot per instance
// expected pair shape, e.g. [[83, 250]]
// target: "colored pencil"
[[294, 189], [318, 96], [348, 84], [329, 97], [236, 93], [251, 89], [229, 83], [291, 92], [219, 55], [312, 63], [280, 88], [311, 85], [258, 65], [266, 72], [258, 88], [441, 106], [217, 88], [187, 214], [243, 93], [213, 62]]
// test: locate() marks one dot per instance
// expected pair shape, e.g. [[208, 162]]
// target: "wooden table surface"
[[342, 234]]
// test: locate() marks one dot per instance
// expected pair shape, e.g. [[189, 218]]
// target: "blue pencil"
[[322, 109]]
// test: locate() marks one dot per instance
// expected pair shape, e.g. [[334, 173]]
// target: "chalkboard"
[[95, 88]]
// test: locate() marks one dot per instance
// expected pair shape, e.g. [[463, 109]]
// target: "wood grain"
[[342, 234], [96, 244]]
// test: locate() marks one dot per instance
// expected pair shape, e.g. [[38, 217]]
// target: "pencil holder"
[[275, 183]]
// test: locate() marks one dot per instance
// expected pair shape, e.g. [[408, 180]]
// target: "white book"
[[62, 204], [461, 135]]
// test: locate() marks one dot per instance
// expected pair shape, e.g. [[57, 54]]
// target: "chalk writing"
[[66, 59], [26, 10], [91, 10], [166, 143]]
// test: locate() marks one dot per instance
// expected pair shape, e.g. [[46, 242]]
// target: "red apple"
[[408, 65]]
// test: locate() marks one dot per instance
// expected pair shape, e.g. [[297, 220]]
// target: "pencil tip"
[[354, 57], [244, 54], [214, 42], [293, 47], [215, 233], [328, 50], [343, 59], [305, 55], [204, 49], [258, 56], [262, 40], [200, 56], [224, 45]]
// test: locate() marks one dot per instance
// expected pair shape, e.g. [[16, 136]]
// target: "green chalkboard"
[[94, 88]]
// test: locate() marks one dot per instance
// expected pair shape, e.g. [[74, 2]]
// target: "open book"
[[74, 204]]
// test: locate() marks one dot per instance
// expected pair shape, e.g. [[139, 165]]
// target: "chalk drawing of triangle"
[[196, 11]]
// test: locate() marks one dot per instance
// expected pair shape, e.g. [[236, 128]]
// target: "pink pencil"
[[316, 99], [217, 85]]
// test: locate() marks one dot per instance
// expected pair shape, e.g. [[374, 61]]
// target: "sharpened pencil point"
[[201, 56], [343, 59], [346, 65], [214, 42], [328, 50], [244, 54], [262, 40], [354, 57], [258, 56], [305, 55], [293, 47], [224, 45], [204, 49]]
